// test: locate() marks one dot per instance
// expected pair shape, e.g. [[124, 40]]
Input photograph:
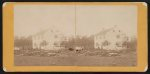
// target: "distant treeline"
[[86, 42], [23, 42]]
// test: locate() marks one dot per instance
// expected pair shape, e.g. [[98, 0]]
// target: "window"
[[56, 36], [104, 36], [113, 30], [35, 45], [118, 44], [97, 44], [125, 44], [118, 36], [105, 43], [99, 37], [56, 44], [51, 30]]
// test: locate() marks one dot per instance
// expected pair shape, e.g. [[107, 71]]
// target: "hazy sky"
[[30, 19]]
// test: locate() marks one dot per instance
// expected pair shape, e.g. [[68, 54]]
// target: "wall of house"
[[114, 36], [53, 40]]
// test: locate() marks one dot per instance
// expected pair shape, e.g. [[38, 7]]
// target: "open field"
[[76, 60]]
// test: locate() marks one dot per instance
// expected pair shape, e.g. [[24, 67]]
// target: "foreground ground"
[[128, 59]]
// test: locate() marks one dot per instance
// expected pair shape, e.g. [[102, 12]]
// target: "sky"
[[30, 19]]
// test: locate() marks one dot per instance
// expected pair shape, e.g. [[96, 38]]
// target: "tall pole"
[[75, 20], [75, 27]]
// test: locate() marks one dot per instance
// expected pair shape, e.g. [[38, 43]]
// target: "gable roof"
[[41, 32], [52, 29], [103, 32]]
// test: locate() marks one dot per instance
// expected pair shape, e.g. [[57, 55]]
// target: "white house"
[[111, 39], [49, 39]]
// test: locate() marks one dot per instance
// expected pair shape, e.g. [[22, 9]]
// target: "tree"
[[43, 43], [133, 44], [23, 42], [86, 42]]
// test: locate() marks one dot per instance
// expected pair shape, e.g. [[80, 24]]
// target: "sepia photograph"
[[68, 35], [75, 35]]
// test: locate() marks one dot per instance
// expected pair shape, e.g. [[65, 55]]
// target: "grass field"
[[74, 60]]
